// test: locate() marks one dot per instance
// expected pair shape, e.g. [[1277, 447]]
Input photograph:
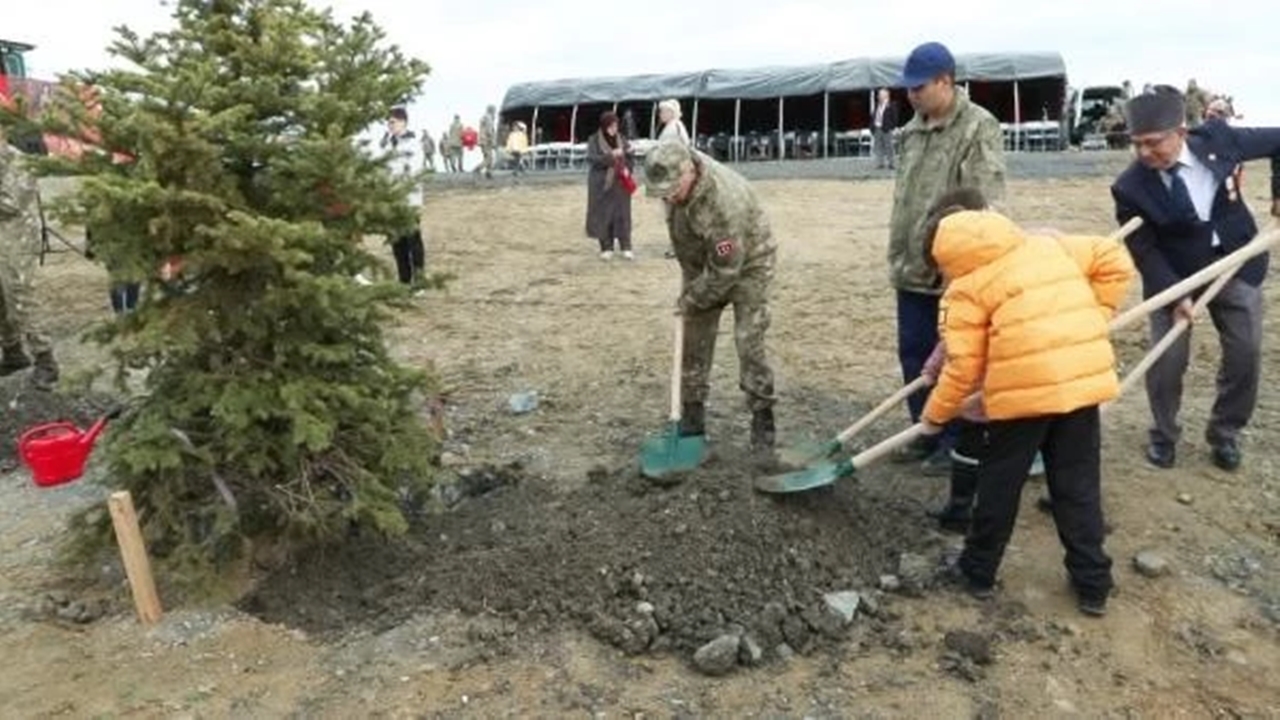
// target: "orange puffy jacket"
[[1025, 319]]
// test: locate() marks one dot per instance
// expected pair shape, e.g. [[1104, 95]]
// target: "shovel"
[[667, 453], [806, 454], [828, 471], [825, 473]]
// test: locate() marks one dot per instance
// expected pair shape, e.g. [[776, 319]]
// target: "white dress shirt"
[[1200, 184]]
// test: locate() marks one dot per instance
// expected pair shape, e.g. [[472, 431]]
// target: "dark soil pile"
[[641, 567]]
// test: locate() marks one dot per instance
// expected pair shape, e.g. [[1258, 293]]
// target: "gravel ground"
[[1021, 166]]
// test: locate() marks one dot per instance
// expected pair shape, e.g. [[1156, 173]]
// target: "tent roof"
[[778, 81]]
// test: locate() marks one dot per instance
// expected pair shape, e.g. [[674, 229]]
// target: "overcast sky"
[[479, 48]]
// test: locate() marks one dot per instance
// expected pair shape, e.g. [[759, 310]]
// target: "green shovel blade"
[[815, 476], [809, 452], [668, 453]]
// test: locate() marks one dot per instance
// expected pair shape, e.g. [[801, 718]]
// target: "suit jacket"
[[890, 120], [1167, 249]]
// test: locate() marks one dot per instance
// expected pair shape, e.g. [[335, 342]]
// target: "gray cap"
[[662, 167], [1155, 112]]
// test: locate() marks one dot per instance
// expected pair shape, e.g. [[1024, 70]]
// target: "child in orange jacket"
[[1025, 321]]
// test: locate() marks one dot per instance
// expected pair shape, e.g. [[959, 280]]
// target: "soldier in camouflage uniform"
[[20, 239], [1197, 102], [453, 146], [950, 143], [487, 139], [726, 253]]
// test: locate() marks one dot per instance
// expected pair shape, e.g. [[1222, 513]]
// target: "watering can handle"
[[45, 429]]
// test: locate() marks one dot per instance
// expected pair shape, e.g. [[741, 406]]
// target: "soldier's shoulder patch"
[[726, 248]]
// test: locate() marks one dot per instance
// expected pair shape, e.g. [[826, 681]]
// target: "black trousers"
[[966, 458], [1071, 445], [410, 255]]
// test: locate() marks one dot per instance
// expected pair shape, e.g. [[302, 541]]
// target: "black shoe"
[[1092, 605], [693, 419], [763, 433], [15, 359], [952, 575], [955, 516], [1226, 455], [1161, 455], [916, 450]]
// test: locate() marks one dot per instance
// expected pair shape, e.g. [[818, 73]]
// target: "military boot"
[[762, 430], [14, 359], [693, 419], [45, 376]]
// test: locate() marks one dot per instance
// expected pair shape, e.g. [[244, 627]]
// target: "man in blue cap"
[[949, 144]]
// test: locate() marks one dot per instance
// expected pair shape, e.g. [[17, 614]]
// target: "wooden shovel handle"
[[1179, 328], [884, 447], [890, 403], [677, 367], [1256, 247]]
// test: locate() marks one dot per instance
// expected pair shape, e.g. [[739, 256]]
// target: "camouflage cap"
[[662, 167]]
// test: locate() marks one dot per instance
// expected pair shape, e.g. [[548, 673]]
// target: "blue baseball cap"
[[925, 63]]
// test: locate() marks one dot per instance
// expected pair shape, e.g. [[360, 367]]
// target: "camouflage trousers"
[[20, 314], [486, 161], [750, 323]]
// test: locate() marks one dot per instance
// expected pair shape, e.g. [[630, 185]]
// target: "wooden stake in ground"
[[134, 553]]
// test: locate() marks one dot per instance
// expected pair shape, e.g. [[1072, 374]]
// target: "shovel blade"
[[669, 453], [815, 476], [809, 452]]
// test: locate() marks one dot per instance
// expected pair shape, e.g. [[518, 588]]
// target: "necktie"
[[1179, 196]]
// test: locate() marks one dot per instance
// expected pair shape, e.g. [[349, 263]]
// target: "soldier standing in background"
[[951, 143], [20, 239], [1197, 103], [454, 154], [488, 137], [727, 253], [428, 152]]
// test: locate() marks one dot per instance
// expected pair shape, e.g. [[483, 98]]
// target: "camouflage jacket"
[[19, 209], [965, 150], [486, 135], [720, 236]]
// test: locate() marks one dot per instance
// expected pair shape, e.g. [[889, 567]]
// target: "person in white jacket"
[[407, 247], [672, 126]]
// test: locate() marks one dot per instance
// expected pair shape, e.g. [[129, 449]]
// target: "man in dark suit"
[[1183, 185], [883, 124]]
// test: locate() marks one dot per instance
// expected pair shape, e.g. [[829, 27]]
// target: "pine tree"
[[232, 147]]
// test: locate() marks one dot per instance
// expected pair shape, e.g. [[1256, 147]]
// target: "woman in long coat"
[[608, 202]]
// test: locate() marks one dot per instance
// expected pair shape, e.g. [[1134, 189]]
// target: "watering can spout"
[[90, 436]]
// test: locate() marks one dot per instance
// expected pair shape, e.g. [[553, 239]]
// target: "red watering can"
[[57, 452]]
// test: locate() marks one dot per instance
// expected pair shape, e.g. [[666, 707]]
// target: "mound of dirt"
[[643, 568], [24, 407]]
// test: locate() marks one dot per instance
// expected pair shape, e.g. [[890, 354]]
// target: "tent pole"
[[737, 121], [826, 120], [653, 122], [1017, 117], [573, 125], [782, 136], [533, 126], [693, 131]]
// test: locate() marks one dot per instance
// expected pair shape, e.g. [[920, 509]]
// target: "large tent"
[[794, 111]]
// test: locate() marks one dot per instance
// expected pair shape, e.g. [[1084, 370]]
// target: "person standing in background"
[[951, 143], [883, 125], [407, 246], [608, 202]]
